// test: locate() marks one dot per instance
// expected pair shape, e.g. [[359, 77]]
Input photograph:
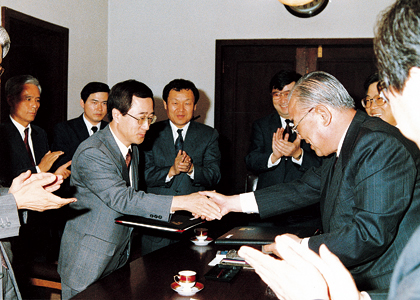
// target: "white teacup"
[[186, 279], [201, 234]]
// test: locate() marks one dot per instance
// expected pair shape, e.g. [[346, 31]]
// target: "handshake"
[[207, 205]]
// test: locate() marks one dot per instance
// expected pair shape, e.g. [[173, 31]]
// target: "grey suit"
[[93, 245], [370, 199], [201, 144], [9, 227]]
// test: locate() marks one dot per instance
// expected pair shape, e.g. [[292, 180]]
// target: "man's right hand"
[[48, 160], [227, 204], [34, 191], [182, 163], [198, 205]]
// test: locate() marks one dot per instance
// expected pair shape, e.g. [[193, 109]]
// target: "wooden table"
[[150, 277]]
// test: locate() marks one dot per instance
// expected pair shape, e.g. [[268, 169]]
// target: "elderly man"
[[397, 49], [25, 146], [368, 189], [26, 192], [105, 175]]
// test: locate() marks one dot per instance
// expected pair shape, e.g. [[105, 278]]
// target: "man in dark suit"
[[278, 155], [26, 192], [105, 174], [68, 135], [25, 146], [273, 156], [193, 166], [369, 190]]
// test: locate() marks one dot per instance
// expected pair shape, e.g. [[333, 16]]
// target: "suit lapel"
[[333, 183], [80, 129], [119, 160]]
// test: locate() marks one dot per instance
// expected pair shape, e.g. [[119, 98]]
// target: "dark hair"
[[283, 78], [92, 88], [14, 86], [121, 96], [371, 79], [397, 42], [178, 85]]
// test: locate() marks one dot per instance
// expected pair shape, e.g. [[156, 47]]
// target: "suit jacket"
[[93, 245], [9, 227], [261, 149], [201, 144], [15, 159], [369, 196], [68, 136]]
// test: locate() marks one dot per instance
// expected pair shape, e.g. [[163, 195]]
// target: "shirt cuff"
[[298, 161], [248, 203], [168, 179], [38, 170], [270, 164], [305, 242], [365, 296]]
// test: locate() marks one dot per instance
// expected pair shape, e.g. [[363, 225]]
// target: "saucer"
[[189, 292], [205, 242]]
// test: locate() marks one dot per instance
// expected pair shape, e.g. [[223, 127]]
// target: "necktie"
[[94, 129], [179, 143], [288, 128], [128, 158], [28, 149]]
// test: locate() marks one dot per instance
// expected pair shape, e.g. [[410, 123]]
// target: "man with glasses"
[[182, 156], [368, 188], [277, 154], [105, 176], [375, 104]]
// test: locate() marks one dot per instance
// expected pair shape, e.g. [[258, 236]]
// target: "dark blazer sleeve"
[[260, 148]]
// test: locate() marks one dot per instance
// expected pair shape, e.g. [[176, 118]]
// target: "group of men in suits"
[[27, 192], [397, 49], [368, 190], [106, 177]]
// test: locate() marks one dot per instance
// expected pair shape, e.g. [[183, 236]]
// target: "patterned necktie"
[[94, 129], [128, 158], [179, 143], [28, 148]]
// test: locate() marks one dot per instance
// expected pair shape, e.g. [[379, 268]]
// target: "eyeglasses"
[[295, 127], [144, 119], [379, 100], [1, 70], [280, 94]]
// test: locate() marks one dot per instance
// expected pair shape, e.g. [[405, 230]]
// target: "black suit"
[[261, 149], [286, 171], [68, 136], [370, 199], [15, 158]]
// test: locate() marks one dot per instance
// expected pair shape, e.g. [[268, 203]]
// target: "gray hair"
[[4, 41], [321, 88], [14, 86]]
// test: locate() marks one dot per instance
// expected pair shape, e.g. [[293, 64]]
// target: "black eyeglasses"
[[280, 94], [142, 120], [295, 127]]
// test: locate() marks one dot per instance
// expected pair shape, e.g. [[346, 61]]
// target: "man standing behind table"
[[68, 135], [182, 155], [105, 175], [369, 190], [26, 192]]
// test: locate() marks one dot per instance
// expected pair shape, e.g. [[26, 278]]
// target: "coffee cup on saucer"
[[201, 234], [186, 279]]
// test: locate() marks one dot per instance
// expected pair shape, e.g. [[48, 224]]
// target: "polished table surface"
[[150, 277]]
